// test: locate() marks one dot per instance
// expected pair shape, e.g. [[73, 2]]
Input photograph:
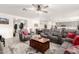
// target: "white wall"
[[6, 30], [31, 23]]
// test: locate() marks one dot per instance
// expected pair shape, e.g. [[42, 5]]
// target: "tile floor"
[[14, 46]]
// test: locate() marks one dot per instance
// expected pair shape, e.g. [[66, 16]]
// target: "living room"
[[39, 29]]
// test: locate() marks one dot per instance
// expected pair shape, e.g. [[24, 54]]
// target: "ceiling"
[[55, 11]]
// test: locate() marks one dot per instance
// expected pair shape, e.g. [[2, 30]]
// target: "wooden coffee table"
[[40, 44]]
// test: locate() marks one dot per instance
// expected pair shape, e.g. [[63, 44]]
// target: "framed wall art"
[[4, 20]]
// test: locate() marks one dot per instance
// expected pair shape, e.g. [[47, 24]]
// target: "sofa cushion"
[[67, 40], [25, 33], [71, 35], [76, 40], [56, 33], [43, 35]]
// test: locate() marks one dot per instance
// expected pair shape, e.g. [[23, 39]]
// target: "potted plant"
[[15, 29], [21, 26]]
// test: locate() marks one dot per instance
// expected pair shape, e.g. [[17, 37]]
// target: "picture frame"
[[4, 20]]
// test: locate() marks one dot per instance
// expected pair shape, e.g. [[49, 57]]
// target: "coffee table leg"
[[37, 51], [43, 52]]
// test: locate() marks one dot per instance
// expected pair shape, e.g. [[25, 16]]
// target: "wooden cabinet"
[[39, 46]]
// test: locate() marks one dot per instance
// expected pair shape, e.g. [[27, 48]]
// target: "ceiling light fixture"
[[38, 8]]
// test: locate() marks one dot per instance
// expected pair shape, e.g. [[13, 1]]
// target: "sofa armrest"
[[43, 35], [67, 39]]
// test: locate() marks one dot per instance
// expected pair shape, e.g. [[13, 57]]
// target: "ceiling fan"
[[38, 7]]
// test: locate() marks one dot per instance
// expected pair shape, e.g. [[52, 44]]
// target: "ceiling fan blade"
[[45, 7], [28, 9], [34, 5], [44, 11]]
